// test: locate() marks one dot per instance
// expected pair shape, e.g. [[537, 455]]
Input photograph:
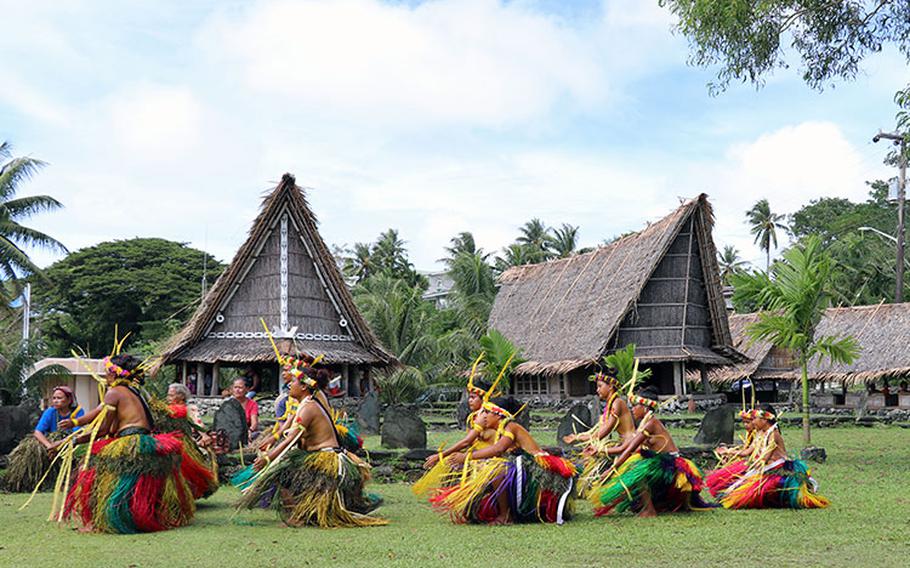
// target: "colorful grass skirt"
[[784, 484], [673, 483], [315, 488], [537, 489], [133, 484]]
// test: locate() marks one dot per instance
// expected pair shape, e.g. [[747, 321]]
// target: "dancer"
[[513, 480], [309, 478], [732, 461], [132, 481], [649, 476], [441, 471], [772, 480], [599, 447]]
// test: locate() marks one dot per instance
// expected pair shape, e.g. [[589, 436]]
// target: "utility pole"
[[901, 142], [26, 310]]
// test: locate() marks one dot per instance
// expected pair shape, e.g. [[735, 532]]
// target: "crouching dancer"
[[132, 482], [309, 478], [771, 480], [511, 481], [649, 476]]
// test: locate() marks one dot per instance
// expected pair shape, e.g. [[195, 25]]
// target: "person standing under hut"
[[309, 478], [132, 482], [649, 476], [512, 481], [599, 449], [733, 461], [439, 466], [772, 480]]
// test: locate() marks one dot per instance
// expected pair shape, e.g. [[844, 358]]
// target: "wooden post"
[[216, 368], [200, 378], [345, 379], [183, 374], [705, 383], [679, 379]]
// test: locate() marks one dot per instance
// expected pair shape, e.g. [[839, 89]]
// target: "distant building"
[[659, 289], [77, 374], [439, 289], [285, 275]]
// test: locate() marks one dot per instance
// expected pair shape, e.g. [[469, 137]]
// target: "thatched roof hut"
[[285, 274], [658, 288], [882, 331]]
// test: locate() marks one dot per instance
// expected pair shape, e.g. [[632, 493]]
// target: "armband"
[[110, 407], [508, 435], [75, 421]]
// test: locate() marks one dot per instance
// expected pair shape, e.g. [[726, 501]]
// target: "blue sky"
[[171, 118]]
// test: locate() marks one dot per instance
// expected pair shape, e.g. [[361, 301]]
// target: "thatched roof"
[[566, 314], [882, 331], [285, 274]]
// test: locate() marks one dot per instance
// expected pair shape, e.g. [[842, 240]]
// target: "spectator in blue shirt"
[[63, 406]]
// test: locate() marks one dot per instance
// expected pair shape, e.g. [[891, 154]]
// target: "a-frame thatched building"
[[659, 289], [285, 274]]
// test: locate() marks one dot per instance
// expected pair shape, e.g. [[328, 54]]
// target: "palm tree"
[[462, 242], [514, 255], [498, 352], [359, 264], [792, 300], [389, 252], [730, 263], [473, 290], [15, 237], [564, 240], [536, 236], [764, 225]]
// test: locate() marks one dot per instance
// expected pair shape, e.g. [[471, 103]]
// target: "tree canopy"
[[148, 286]]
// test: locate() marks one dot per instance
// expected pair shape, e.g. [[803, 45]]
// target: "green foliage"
[[387, 255], [403, 385], [564, 241], [864, 261], [148, 286], [763, 224], [473, 290], [730, 263], [497, 351], [622, 362], [746, 39], [793, 297], [18, 377], [15, 237]]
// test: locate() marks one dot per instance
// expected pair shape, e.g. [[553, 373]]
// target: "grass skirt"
[[440, 476], [27, 463], [673, 482], [198, 466], [787, 485], [133, 484], [538, 489], [720, 479], [318, 488]]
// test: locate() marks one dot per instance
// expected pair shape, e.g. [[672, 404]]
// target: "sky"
[[171, 119]]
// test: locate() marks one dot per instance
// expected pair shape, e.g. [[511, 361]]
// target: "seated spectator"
[[250, 407], [63, 406], [177, 396], [905, 387], [253, 382]]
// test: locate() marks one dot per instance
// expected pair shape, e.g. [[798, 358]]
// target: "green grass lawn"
[[868, 524]]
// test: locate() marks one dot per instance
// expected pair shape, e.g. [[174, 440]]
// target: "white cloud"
[[157, 121], [474, 61]]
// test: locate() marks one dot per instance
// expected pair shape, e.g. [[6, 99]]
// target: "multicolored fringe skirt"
[[673, 483], [322, 488], [784, 484], [133, 484], [199, 468], [719, 479], [537, 489]]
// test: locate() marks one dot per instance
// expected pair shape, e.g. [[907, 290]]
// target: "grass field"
[[868, 524]]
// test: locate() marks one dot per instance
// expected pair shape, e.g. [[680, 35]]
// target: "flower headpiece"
[[293, 366], [758, 413], [115, 369]]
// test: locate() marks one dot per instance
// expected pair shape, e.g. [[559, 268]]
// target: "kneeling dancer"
[[511, 481], [309, 478], [649, 476], [732, 461], [772, 480], [132, 481]]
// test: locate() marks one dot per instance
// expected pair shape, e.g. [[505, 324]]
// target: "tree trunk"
[[768, 259], [807, 436]]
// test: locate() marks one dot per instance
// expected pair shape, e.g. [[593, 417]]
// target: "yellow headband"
[[605, 377], [756, 413]]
